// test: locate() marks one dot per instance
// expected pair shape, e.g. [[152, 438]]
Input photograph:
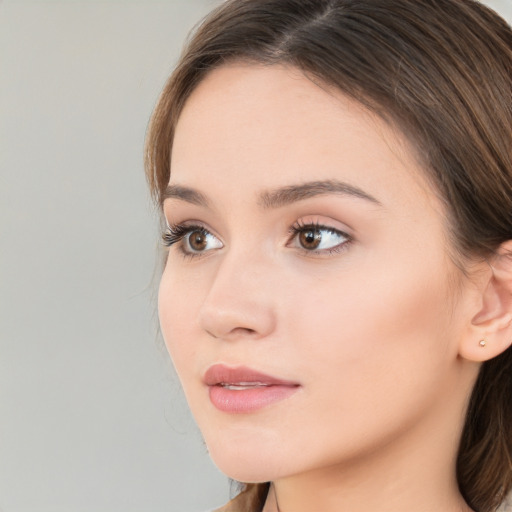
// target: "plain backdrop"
[[91, 415]]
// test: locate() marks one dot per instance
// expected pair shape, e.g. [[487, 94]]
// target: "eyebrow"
[[186, 194], [293, 193], [279, 197]]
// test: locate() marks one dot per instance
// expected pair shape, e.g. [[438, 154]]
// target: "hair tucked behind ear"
[[441, 71]]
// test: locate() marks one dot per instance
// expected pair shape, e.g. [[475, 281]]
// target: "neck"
[[342, 492]]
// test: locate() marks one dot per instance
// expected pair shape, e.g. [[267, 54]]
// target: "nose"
[[240, 302]]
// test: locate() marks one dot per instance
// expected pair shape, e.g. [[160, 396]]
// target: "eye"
[[192, 240], [317, 238]]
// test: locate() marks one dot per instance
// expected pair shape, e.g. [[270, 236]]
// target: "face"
[[308, 300]]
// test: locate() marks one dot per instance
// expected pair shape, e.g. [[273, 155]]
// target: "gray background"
[[91, 416]]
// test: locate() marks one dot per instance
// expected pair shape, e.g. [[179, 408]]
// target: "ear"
[[491, 326]]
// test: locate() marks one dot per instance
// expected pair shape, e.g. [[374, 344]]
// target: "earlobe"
[[491, 327]]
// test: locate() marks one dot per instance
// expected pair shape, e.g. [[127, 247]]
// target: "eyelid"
[[186, 226], [316, 222]]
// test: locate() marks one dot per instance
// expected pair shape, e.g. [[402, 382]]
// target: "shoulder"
[[506, 506], [251, 499]]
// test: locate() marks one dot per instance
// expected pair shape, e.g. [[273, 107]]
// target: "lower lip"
[[248, 400]]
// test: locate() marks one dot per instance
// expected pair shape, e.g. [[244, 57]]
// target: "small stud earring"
[[482, 343]]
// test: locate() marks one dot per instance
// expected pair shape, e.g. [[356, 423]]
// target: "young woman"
[[336, 182]]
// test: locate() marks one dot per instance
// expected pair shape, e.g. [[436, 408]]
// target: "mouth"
[[242, 386], [243, 390]]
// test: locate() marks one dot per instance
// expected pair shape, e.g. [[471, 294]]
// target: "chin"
[[248, 462], [245, 471]]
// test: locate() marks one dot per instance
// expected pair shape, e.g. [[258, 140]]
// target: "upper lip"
[[219, 374]]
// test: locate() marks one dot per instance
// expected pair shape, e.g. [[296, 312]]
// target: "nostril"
[[242, 331], [245, 330], [234, 333]]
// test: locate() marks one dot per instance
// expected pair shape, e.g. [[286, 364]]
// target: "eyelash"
[[177, 232], [300, 227]]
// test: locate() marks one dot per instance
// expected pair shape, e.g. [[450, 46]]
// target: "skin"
[[372, 331]]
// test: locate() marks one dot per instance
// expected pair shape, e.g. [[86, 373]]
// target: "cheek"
[[376, 313], [382, 343], [177, 311]]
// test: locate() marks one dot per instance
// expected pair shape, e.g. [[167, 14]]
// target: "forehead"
[[248, 127]]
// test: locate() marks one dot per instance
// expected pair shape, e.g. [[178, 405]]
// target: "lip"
[[240, 389]]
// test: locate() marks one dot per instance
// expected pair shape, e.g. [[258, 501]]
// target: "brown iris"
[[197, 240], [310, 238]]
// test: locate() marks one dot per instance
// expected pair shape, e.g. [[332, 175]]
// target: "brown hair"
[[440, 70]]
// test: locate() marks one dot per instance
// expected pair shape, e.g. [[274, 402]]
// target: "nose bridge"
[[239, 301]]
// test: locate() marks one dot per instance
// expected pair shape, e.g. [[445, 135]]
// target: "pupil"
[[197, 241], [311, 238]]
